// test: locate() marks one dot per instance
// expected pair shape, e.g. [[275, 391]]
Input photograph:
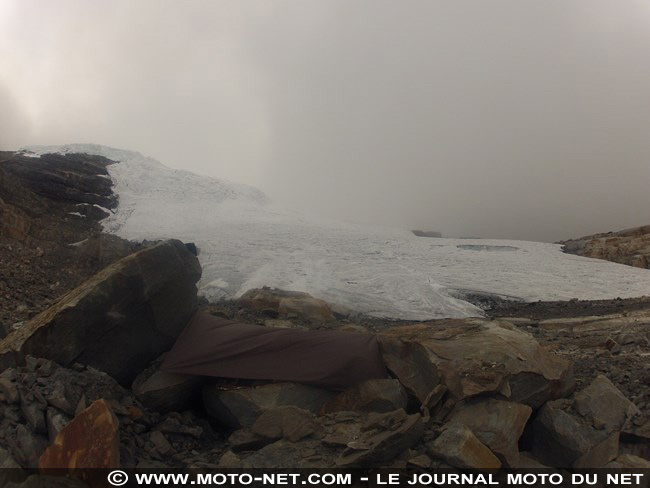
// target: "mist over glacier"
[[247, 241]]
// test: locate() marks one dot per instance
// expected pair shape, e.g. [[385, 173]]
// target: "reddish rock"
[[90, 440]]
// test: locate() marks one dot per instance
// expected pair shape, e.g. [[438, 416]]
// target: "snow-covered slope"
[[247, 242]]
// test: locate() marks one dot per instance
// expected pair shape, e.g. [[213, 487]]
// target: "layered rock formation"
[[630, 246]]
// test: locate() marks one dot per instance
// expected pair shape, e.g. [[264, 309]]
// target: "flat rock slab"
[[90, 440]]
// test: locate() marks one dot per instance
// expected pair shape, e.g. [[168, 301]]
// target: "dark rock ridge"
[[50, 234]]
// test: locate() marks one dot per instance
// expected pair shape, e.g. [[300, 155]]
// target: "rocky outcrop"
[[476, 357], [630, 246], [120, 319]]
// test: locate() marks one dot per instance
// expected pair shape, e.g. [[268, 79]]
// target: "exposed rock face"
[[241, 407], [120, 319], [90, 440], [34, 190], [287, 304], [459, 447], [630, 246], [476, 356]]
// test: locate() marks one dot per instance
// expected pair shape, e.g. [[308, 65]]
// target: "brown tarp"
[[212, 346]]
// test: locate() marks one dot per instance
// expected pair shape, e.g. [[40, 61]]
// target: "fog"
[[505, 119]]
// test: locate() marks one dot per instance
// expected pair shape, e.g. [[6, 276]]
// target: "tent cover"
[[212, 346]]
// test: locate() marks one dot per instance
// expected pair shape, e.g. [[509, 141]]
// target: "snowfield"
[[246, 241]]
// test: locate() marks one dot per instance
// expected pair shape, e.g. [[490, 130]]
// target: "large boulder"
[[477, 357], [604, 405], [411, 363], [565, 440], [496, 423], [120, 319], [583, 432], [236, 408]]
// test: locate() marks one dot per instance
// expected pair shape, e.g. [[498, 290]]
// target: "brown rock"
[[411, 363], [90, 440], [497, 424], [477, 356], [120, 319], [382, 395], [283, 303], [459, 447]]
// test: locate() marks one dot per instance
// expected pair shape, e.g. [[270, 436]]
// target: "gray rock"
[[55, 422], [160, 442], [604, 405], [564, 440], [8, 391]]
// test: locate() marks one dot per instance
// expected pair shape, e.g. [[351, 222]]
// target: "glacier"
[[247, 241]]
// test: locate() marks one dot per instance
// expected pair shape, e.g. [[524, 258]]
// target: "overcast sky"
[[524, 119]]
